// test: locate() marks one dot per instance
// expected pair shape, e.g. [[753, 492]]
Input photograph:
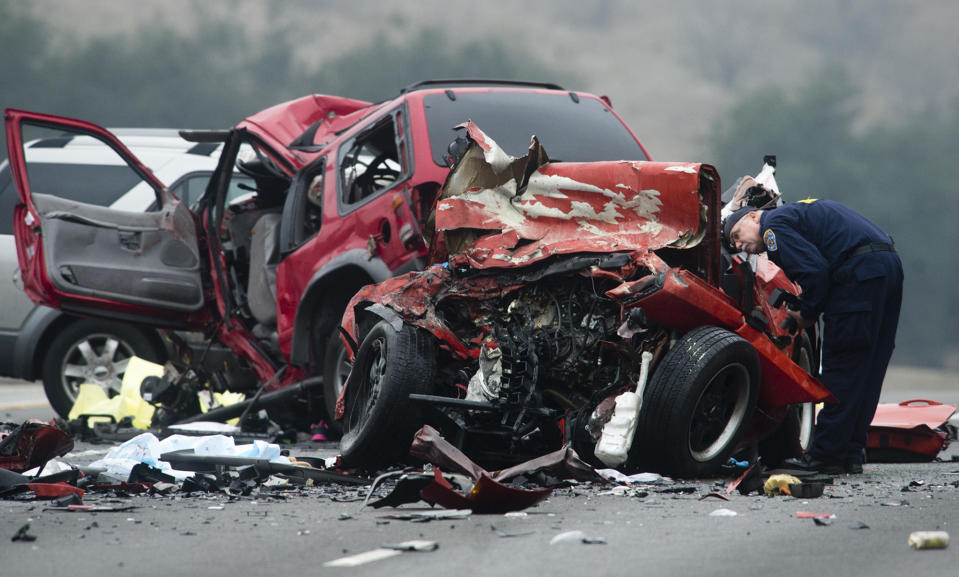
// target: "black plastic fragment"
[[23, 534], [200, 484], [143, 473]]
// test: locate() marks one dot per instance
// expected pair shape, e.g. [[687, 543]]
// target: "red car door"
[[89, 259]]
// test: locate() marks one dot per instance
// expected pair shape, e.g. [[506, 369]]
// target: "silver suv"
[[37, 342]]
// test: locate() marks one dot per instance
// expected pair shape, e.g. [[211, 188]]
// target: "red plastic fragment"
[[31, 445], [53, 490], [808, 515]]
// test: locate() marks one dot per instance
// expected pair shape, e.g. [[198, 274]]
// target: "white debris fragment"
[[723, 513], [576, 536], [384, 552], [640, 478]]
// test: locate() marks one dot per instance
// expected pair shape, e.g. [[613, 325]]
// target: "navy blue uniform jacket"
[[811, 241]]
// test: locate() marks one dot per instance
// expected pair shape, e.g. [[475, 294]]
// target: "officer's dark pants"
[[860, 320]]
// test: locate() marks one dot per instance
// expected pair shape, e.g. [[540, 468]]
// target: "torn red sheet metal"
[[31, 445], [908, 431], [541, 209], [489, 494], [685, 301]]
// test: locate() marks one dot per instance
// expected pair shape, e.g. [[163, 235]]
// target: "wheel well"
[[322, 308], [61, 324]]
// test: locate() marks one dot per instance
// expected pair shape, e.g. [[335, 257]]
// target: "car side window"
[[371, 164], [190, 188]]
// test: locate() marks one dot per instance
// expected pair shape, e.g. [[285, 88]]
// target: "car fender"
[[28, 339], [355, 263]]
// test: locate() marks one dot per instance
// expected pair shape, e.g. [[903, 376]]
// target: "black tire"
[[380, 420], [795, 434], [697, 404], [336, 369], [88, 351]]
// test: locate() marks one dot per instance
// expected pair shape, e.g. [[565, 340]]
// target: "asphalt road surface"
[[669, 529]]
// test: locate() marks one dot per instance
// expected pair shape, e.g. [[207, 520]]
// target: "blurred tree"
[[159, 76], [896, 174]]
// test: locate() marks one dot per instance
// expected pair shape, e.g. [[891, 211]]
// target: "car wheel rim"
[[98, 359], [719, 412], [342, 370], [364, 399], [807, 411]]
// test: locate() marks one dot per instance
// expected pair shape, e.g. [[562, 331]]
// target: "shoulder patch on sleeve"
[[808, 200], [769, 237]]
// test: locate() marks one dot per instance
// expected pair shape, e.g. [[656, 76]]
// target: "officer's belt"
[[869, 247]]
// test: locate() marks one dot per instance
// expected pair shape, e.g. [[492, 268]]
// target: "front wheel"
[[336, 369], [697, 404], [380, 420], [795, 434], [95, 352]]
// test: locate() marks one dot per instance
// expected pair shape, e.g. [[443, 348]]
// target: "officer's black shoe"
[[809, 465], [854, 467]]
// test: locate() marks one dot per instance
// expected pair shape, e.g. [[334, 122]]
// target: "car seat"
[[264, 256]]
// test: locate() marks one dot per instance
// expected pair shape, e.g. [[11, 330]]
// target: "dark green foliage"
[[897, 173], [213, 78]]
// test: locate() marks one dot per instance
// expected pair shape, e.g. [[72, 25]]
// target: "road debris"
[[384, 552], [809, 515], [31, 444], [929, 540], [576, 536], [23, 534], [910, 431], [822, 521], [779, 484], [723, 513]]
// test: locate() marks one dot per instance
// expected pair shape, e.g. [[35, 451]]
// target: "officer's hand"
[[802, 321]]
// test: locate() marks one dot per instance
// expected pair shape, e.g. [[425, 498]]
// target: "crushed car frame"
[[582, 303]]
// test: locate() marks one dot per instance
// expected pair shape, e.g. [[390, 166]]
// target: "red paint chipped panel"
[[564, 208]]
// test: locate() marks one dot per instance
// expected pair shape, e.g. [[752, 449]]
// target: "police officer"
[[851, 275]]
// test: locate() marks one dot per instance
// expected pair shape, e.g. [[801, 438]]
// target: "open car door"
[[79, 256]]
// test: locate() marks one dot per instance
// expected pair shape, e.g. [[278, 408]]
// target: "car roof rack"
[[478, 82]]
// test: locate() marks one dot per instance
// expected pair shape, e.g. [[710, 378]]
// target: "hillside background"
[[858, 98]]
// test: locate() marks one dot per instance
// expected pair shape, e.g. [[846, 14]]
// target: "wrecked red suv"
[[343, 190], [560, 298]]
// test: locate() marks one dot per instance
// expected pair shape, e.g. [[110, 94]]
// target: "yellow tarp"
[[93, 400]]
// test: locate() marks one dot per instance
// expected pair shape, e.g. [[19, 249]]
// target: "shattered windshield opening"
[[510, 118]]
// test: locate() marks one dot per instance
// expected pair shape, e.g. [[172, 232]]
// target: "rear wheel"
[[379, 419], [697, 404], [94, 352]]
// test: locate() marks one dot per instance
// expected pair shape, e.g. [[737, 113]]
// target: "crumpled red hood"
[[536, 209]]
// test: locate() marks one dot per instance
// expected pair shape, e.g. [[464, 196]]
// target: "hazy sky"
[[670, 66]]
